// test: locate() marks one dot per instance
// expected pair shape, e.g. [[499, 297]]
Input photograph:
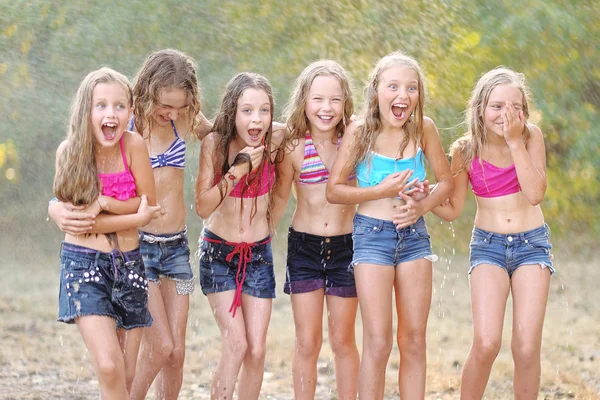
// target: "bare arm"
[[283, 186], [339, 192], [456, 201], [203, 126], [210, 195], [530, 158]]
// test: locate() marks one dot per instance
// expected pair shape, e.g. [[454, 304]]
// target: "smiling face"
[[172, 104], [253, 117], [324, 104], [110, 113], [398, 95], [495, 107]]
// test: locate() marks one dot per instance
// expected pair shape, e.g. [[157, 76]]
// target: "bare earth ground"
[[44, 359]]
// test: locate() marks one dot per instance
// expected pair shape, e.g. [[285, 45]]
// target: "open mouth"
[[254, 134], [109, 130], [399, 110], [325, 118]]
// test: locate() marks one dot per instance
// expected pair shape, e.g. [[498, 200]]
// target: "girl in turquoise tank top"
[[386, 149]]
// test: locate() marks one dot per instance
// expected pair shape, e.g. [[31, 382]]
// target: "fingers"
[[410, 184]]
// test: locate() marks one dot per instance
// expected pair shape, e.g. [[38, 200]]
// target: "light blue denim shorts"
[[510, 251], [378, 241]]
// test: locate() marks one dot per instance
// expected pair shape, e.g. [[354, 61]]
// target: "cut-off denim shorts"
[[217, 274], [168, 256], [315, 262], [510, 251], [378, 241], [109, 284]]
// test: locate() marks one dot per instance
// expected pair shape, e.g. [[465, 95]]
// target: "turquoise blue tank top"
[[373, 172]]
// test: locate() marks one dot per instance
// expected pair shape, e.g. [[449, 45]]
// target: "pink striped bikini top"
[[487, 180], [120, 185], [313, 169]]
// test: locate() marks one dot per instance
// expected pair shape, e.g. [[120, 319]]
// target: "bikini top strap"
[[174, 129], [123, 154]]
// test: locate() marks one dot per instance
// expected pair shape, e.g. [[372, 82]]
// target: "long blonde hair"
[[76, 178], [368, 130], [294, 113], [163, 70], [471, 143]]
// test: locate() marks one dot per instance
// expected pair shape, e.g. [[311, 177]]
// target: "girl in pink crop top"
[[120, 185], [510, 250]]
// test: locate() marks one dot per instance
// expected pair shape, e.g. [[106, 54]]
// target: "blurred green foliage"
[[46, 47]]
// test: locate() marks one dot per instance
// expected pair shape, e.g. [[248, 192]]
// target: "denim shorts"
[[110, 284], [168, 256], [510, 251], [378, 241], [315, 262], [217, 274]]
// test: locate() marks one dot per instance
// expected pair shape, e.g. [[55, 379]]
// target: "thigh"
[[231, 327], [339, 278], [490, 286], [307, 310], [257, 314], [412, 286], [176, 309], [341, 316], [374, 285], [530, 285]]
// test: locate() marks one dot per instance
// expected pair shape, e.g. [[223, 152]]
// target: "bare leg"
[[530, 286], [157, 344], [99, 335], [413, 300], [234, 345], [170, 378], [308, 320], [374, 285], [341, 319], [257, 314], [490, 286], [129, 340]]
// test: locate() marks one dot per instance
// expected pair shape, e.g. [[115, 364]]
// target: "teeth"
[[400, 105], [326, 117], [110, 124]]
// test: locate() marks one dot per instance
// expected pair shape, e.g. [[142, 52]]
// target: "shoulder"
[[279, 134], [133, 141], [210, 141], [61, 147], [354, 128], [535, 131], [429, 126]]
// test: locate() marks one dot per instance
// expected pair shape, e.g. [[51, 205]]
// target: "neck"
[[320, 136]]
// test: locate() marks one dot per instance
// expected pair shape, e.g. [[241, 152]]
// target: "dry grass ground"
[[44, 359]]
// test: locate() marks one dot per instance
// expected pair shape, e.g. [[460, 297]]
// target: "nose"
[[173, 114], [256, 116], [326, 105]]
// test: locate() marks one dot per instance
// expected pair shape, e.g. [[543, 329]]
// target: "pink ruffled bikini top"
[[120, 185], [487, 180]]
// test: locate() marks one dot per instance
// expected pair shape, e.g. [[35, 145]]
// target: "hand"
[[256, 155], [147, 212], [419, 190], [94, 207], [71, 219], [514, 123], [409, 213], [396, 182]]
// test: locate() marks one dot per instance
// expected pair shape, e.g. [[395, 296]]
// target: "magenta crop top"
[[487, 180], [120, 185]]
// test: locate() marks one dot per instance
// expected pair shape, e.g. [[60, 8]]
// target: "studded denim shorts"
[[110, 284], [168, 256], [510, 251]]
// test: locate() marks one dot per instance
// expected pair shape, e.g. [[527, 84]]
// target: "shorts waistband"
[[513, 237], [163, 238], [321, 240], [212, 238], [384, 224]]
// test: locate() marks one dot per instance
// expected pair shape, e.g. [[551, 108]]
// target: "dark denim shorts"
[[510, 251], [315, 262], [378, 241], [96, 283], [168, 256], [217, 274]]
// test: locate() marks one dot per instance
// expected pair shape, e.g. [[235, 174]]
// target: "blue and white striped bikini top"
[[174, 156]]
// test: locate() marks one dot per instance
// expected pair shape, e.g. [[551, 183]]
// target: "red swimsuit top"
[[120, 185], [253, 184]]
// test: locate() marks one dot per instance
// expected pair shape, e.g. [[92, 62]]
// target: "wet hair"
[[76, 178], [164, 70], [370, 126], [470, 144], [225, 129], [295, 111]]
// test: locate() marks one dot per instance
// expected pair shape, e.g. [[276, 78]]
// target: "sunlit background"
[[47, 47]]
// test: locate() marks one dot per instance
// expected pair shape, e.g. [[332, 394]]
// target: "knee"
[[378, 347], [308, 347], [110, 371], [526, 355], [177, 358], [342, 343], [256, 352], [162, 351], [486, 349], [235, 347], [412, 343]]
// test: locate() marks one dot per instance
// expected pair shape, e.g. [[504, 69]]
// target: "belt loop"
[[61, 249]]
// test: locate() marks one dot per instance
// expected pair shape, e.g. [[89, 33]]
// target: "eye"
[[266, 110], [100, 105], [120, 106], [336, 100], [393, 86], [317, 99], [246, 110], [413, 88]]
